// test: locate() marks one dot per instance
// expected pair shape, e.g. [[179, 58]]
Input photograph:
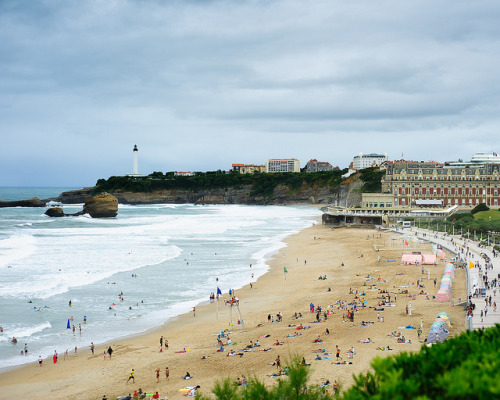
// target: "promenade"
[[468, 250]]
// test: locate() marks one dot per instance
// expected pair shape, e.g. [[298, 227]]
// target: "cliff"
[[348, 193]]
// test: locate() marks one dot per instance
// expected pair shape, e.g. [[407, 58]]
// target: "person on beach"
[[25, 349], [278, 362], [337, 349], [92, 347], [131, 376], [161, 341], [54, 357], [110, 352], [194, 311], [157, 375], [40, 361], [166, 344], [167, 372]]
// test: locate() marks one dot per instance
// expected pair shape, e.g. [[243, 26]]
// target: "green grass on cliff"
[[262, 184]]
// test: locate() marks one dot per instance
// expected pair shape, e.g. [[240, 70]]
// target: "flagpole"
[[217, 299]]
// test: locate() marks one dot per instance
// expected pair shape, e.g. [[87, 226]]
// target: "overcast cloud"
[[199, 85]]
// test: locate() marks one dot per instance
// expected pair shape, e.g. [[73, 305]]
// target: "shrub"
[[480, 207]]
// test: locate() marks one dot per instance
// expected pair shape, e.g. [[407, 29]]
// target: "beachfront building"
[[179, 173], [316, 166], [248, 168], [135, 168], [362, 161], [377, 200], [283, 165], [453, 183]]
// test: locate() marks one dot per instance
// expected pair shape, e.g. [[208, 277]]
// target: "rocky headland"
[[348, 193], [100, 206]]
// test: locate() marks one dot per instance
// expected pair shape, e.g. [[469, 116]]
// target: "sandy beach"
[[347, 258]]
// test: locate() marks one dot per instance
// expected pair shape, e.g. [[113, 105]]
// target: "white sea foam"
[[21, 332], [16, 248], [90, 261]]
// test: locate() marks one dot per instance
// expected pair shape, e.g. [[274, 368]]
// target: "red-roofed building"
[[248, 168], [283, 165], [453, 184], [315, 166]]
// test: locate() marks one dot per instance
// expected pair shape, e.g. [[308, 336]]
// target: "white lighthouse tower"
[[135, 171]]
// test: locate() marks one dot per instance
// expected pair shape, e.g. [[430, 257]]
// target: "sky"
[[199, 85]]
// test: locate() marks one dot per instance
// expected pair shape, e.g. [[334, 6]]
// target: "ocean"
[[163, 259]]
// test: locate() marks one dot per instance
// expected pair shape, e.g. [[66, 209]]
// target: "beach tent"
[[437, 333], [411, 259], [440, 254], [429, 259], [443, 296], [444, 315], [444, 321], [449, 270], [439, 329]]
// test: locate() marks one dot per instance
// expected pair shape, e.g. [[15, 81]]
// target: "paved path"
[[469, 250]]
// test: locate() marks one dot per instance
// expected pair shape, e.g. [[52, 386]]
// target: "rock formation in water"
[[55, 212], [33, 202], [101, 206]]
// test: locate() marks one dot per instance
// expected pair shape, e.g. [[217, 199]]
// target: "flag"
[[68, 326], [284, 270], [218, 290], [471, 264]]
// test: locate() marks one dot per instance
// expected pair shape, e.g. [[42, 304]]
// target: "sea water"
[[165, 259]]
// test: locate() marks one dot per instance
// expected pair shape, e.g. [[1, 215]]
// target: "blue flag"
[[218, 290]]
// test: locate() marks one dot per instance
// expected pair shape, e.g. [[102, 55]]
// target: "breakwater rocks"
[[100, 206], [33, 202], [346, 194]]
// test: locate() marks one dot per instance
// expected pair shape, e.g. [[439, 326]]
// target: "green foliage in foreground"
[[465, 367], [294, 385]]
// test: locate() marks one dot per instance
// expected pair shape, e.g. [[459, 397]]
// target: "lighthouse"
[[136, 151], [135, 170]]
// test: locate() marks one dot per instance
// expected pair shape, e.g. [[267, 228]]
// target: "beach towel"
[[186, 389]]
